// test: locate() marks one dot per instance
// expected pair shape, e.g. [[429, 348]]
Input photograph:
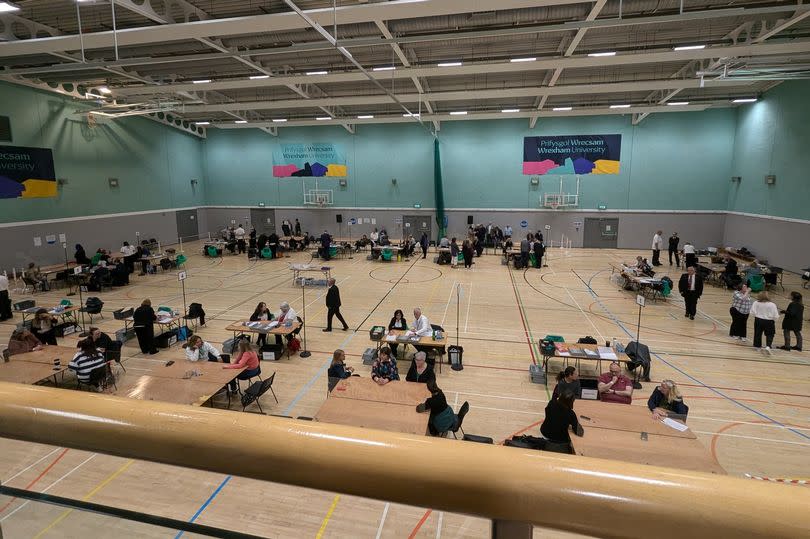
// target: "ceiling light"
[[411, 115], [560, 109], [384, 68], [745, 100], [317, 72], [200, 81], [279, 120], [449, 64], [620, 106], [689, 48], [677, 103], [104, 90], [202, 123], [240, 122], [458, 113], [597, 54], [323, 118], [8, 7], [259, 77], [365, 117], [510, 110], [516, 60]]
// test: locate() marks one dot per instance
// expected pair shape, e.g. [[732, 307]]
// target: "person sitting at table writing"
[[442, 417], [398, 322], [420, 371], [613, 386], [260, 314], [560, 416], [86, 360], [338, 368], [666, 399], [567, 380], [44, 326], [384, 370], [245, 358], [23, 341], [421, 327]]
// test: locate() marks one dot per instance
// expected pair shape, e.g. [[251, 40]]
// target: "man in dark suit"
[[326, 243], [333, 306], [690, 286]]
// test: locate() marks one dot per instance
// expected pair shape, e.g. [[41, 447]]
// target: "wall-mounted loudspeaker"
[[339, 218]]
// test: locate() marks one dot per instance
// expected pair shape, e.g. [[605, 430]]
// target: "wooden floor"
[[751, 411]]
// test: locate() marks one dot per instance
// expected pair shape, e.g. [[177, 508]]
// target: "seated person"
[[666, 400], [103, 341], [444, 242], [560, 416], [384, 369], [286, 316], [200, 350], [35, 275], [567, 380], [44, 326], [245, 358], [730, 273], [261, 313], [442, 417], [338, 368], [86, 360], [421, 327], [613, 386], [751, 270], [81, 256], [644, 267], [420, 371], [361, 243], [23, 341], [397, 322]]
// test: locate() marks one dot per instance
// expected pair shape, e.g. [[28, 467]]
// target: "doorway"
[[601, 233], [188, 228], [264, 220], [415, 225]]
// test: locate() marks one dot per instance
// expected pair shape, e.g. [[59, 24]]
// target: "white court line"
[[469, 302], [51, 485], [447, 305], [588, 318], [501, 397], [750, 438], [768, 425], [382, 520], [504, 410], [30, 466], [439, 526]]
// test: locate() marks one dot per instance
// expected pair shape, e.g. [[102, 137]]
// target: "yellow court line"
[[327, 517], [87, 497]]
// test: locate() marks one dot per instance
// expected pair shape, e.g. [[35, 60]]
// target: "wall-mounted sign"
[[524, 224], [572, 154]]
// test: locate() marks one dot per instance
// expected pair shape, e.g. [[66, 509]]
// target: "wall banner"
[[572, 154], [320, 159], [26, 172]]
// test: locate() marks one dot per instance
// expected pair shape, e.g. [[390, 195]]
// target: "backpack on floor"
[[294, 345]]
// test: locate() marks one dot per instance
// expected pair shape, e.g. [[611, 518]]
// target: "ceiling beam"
[[577, 62], [782, 25]]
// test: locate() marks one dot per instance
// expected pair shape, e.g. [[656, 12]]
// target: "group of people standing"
[[766, 313]]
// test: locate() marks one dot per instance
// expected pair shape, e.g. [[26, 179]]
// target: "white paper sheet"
[[606, 352], [671, 423]]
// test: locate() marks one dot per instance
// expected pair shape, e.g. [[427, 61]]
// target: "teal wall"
[[665, 161], [154, 163], [773, 137]]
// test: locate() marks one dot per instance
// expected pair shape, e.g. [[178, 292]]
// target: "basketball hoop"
[[554, 205]]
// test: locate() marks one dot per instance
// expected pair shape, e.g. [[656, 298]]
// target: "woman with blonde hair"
[[245, 358], [666, 399], [765, 315], [338, 368]]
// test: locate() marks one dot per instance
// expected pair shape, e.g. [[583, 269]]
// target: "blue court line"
[[699, 382], [206, 504]]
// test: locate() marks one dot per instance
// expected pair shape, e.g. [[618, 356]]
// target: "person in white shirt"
[[374, 236], [285, 315], [507, 231], [690, 259], [765, 315], [5, 301], [200, 350], [421, 327], [129, 252], [239, 234], [657, 245]]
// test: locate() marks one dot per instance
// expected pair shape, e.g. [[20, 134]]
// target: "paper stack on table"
[[606, 352], [674, 424]]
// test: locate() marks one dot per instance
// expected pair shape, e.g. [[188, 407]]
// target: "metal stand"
[[304, 352], [67, 269]]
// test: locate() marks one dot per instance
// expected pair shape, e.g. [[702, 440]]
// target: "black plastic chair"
[[100, 377], [92, 308], [114, 355], [256, 390], [460, 419]]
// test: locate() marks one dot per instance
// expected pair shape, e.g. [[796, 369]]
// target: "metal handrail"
[[589, 496]]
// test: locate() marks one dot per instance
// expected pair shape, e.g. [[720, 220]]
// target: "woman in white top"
[[690, 258], [199, 350], [765, 315]]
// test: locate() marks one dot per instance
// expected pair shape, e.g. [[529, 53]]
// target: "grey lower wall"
[[782, 243]]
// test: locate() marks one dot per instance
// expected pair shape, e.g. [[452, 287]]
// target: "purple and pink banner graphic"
[[572, 154], [315, 160]]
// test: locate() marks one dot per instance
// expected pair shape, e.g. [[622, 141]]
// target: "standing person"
[[507, 231], [424, 242], [453, 253], [261, 313], [740, 309], [326, 244], [239, 234], [81, 256], [539, 250], [144, 321], [297, 228], [689, 254], [333, 306], [129, 252], [793, 321], [765, 316], [525, 245], [690, 285], [5, 301], [467, 252], [674, 240], [657, 243], [44, 326], [285, 227]]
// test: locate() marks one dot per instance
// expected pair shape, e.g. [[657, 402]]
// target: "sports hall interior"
[[313, 126]]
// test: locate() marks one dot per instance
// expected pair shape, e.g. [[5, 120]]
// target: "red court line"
[[419, 524], [522, 317], [521, 431], [40, 476]]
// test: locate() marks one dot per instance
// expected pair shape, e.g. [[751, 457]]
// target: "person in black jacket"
[[442, 417], [539, 251], [690, 285], [144, 321], [333, 306], [326, 244], [338, 368], [420, 371], [666, 399], [424, 242], [81, 256], [103, 341], [674, 240], [560, 416], [261, 313], [397, 322], [794, 314]]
